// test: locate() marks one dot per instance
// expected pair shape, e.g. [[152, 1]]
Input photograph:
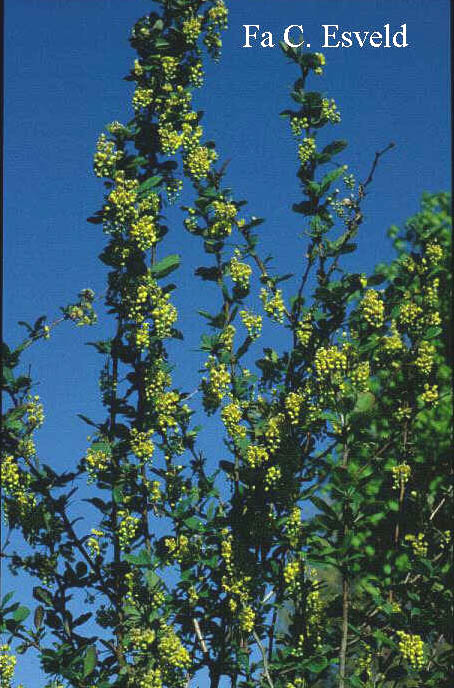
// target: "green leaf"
[[165, 266], [90, 660], [331, 177], [193, 523], [39, 615], [149, 183], [318, 664], [21, 614], [43, 595]]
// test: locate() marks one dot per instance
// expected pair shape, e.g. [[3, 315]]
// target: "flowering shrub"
[[317, 553]]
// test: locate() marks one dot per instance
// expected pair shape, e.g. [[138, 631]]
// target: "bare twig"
[[200, 637], [378, 155], [266, 671]]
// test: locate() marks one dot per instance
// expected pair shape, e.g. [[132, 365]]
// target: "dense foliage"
[[317, 553]]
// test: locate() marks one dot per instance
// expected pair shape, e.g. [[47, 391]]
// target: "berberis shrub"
[[317, 550]]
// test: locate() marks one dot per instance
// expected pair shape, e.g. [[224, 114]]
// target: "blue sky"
[[64, 63]]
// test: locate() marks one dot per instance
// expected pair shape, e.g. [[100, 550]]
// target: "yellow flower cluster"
[[273, 431], [143, 336], [27, 448], [141, 639], [169, 67], [256, 456], [173, 188], [226, 547], [82, 314], [293, 404], [122, 199], [411, 648], [142, 98], [373, 308], [430, 394], [192, 28], [141, 444], [446, 539], [164, 314], [431, 293], [175, 103], [218, 380], [330, 360], [97, 461], [403, 412], [246, 618], [240, 273], [137, 69], [35, 412], [7, 666], [409, 313], [178, 547], [237, 588], [166, 406], [106, 157], [190, 222], [198, 161], [272, 477], [196, 75], [304, 330], [360, 376], [154, 491], [152, 679], [330, 111], [144, 232], [393, 343], [171, 652], [273, 304], [252, 323], [321, 63], [297, 683], [292, 573], [364, 663], [227, 336], [306, 150], [93, 543], [418, 544], [156, 379], [127, 528], [231, 416], [293, 526], [15, 483], [298, 125], [169, 138], [434, 253], [425, 359], [218, 14], [314, 607], [401, 475], [224, 214]]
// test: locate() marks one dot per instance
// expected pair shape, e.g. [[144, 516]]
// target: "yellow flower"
[[430, 395], [240, 273], [252, 323], [256, 456], [273, 304], [191, 29], [106, 157], [306, 150], [246, 619], [141, 444], [411, 648], [231, 416], [373, 308]]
